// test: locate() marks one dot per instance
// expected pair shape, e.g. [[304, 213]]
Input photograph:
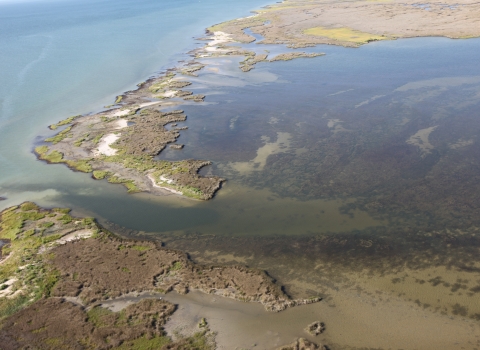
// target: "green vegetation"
[[97, 138], [129, 184], [144, 343], [119, 99], [23, 226], [55, 157], [62, 210], [198, 341], [144, 164], [65, 219], [27, 206], [79, 142], [63, 122], [28, 276], [345, 34], [60, 136], [10, 306], [176, 266], [100, 174], [99, 316], [162, 84], [140, 248], [80, 165]]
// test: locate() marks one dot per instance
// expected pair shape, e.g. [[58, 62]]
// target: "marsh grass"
[[55, 157], [60, 136], [345, 34], [64, 122], [23, 226]]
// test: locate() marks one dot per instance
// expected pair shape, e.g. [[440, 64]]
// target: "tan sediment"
[[282, 144], [104, 145]]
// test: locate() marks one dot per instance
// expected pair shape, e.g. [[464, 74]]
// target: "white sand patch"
[[211, 49], [165, 179], [269, 148], [121, 113], [420, 139], [75, 236], [7, 292], [162, 187], [219, 38], [169, 93], [122, 123], [146, 104], [104, 145]]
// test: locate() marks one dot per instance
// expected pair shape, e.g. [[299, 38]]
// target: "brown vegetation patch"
[[98, 269], [148, 135], [58, 324]]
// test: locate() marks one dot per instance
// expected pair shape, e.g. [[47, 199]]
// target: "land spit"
[[56, 264]]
